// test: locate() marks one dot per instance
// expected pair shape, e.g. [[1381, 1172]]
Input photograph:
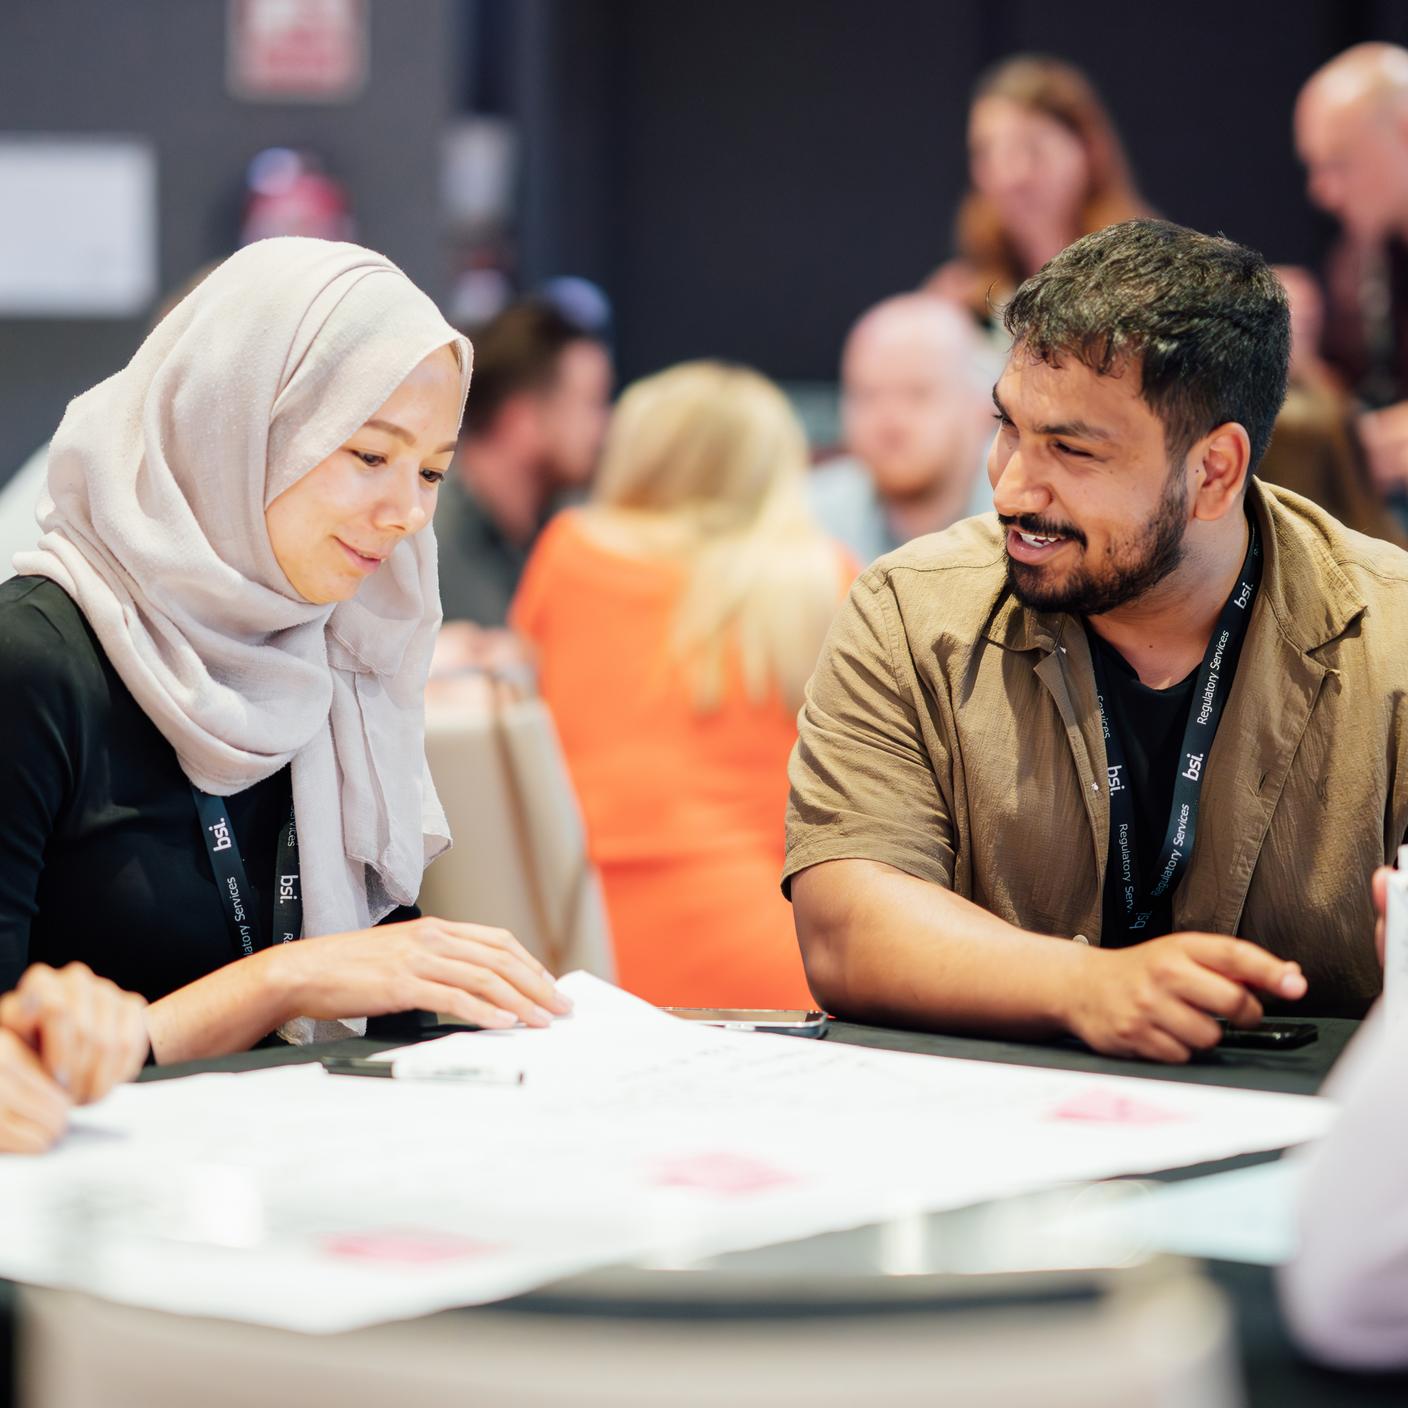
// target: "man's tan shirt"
[[953, 733]]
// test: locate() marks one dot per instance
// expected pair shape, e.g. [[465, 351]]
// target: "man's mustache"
[[1041, 527]]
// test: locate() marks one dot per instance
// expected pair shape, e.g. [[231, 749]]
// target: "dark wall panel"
[[778, 167]]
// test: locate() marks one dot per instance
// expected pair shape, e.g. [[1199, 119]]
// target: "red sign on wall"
[[297, 50]]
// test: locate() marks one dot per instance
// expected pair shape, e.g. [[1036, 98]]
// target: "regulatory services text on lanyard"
[[1144, 906], [230, 879]]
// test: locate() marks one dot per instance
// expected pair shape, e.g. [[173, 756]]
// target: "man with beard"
[[1154, 703]]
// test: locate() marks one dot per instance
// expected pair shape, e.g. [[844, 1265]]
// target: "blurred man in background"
[[917, 422], [533, 427], [1351, 130], [1315, 448]]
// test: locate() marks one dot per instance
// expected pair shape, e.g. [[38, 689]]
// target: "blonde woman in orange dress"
[[677, 618]]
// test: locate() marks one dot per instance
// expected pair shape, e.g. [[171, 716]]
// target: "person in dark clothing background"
[[532, 434], [1351, 131]]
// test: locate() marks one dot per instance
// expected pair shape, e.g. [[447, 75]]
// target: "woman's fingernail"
[[1293, 985], [542, 1015], [500, 1018], [61, 1079]]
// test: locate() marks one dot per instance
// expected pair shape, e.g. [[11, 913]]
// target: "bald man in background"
[[1351, 130], [917, 420]]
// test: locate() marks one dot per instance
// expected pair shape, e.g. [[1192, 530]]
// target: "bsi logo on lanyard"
[[236, 898], [1147, 913]]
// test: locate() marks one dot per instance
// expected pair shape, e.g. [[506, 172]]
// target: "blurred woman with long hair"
[[677, 618], [1046, 166]]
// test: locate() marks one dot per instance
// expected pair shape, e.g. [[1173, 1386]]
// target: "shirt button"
[[1079, 939]]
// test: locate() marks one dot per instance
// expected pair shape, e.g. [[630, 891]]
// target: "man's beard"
[[1134, 567]]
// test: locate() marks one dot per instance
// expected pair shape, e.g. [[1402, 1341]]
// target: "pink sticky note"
[[1105, 1107], [725, 1175], [411, 1247]]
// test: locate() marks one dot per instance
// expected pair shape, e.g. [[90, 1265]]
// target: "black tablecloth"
[[1297, 1072], [1276, 1375]]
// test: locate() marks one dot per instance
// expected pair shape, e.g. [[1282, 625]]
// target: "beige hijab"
[[154, 524]]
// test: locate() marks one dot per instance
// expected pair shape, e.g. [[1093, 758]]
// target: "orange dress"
[[684, 811]]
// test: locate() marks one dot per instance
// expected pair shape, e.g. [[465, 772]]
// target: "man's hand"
[[462, 646], [1380, 890], [1158, 1000], [1384, 436]]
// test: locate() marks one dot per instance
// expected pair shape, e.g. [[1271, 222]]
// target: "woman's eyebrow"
[[391, 429], [403, 435]]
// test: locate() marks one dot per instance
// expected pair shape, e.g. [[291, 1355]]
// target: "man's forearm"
[[882, 946]]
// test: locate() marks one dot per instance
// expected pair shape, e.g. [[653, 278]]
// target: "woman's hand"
[[66, 1038], [87, 1033], [33, 1109], [475, 973]]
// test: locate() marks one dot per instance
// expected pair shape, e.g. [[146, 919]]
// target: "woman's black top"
[[101, 853]]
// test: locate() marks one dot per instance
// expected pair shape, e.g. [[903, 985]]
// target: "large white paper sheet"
[[295, 1198]]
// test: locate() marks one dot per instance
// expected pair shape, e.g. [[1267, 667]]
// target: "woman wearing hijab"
[[212, 669]]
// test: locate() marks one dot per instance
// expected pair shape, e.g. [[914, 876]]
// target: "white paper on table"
[[635, 1135]]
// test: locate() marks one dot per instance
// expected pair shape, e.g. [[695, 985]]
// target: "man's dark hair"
[[1202, 320], [517, 351]]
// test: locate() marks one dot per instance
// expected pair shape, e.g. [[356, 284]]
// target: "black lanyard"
[[233, 884], [1145, 913]]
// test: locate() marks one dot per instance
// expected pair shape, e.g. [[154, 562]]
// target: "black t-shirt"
[[1150, 724], [103, 859]]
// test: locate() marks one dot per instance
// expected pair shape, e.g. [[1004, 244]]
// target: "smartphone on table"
[[1268, 1036], [784, 1021]]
